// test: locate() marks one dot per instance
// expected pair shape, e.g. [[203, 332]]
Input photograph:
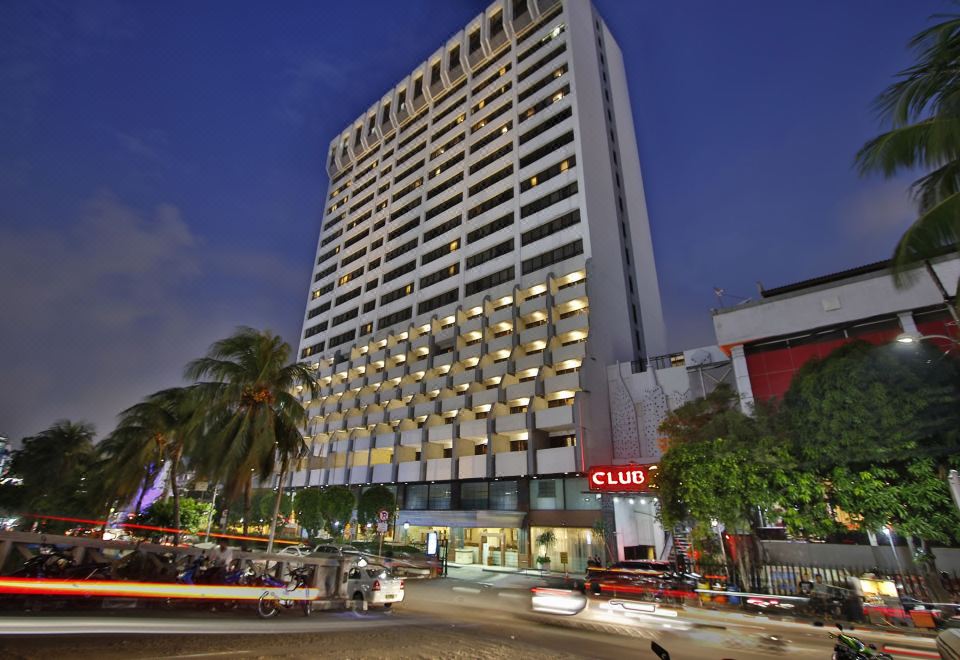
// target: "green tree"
[[191, 514], [247, 378], [308, 509], [52, 467], [881, 426], [336, 506], [371, 501], [923, 111]]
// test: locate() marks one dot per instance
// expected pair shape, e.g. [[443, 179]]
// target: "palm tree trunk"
[[247, 502], [276, 506], [175, 491]]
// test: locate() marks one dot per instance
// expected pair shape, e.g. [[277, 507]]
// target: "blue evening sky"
[[161, 177]]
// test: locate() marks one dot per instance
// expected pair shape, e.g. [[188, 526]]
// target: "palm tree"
[[923, 111], [53, 466], [163, 428], [248, 379]]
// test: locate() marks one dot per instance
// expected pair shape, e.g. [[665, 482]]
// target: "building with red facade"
[[769, 339]]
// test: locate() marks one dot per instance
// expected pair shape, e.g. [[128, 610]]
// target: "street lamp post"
[[916, 337], [893, 549]]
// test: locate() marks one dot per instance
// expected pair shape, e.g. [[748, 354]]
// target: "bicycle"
[[271, 603]]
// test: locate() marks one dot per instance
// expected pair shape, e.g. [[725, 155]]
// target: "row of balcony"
[[555, 460], [416, 377]]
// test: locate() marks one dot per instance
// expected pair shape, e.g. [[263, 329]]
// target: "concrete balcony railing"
[[538, 333], [409, 389], [384, 440], [474, 429], [403, 412], [362, 443], [411, 438], [467, 376], [340, 446], [367, 398], [396, 372], [342, 367], [441, 433], [426, 408], [418, 365], [338, 476], [554, 419], [437, 383], [531, 305], [511, 423], [472, 467], [400, 348], [355, 421], [443, 360], [411, 471], [376, 417], [333, 425], [572, 292], [497, 369], [440, 469], [468, 352], [339, 388], [360, 475], [556, 460], [471, 325], [572, 352], [501, 315], [511, 463], [533, 361], [485, 397], [446, 334], [358, 382], [521, 390], [383, 473], [563, 383], [420, 342], [500, 343], [378, 355], [576, 322], [453, 403]]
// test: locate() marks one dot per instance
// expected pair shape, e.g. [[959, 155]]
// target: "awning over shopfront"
[[508, 519]]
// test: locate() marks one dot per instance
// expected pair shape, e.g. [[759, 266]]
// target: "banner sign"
[[621, 478]]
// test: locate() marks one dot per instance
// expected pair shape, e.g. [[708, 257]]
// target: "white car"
[[296, 550], [372, 586]]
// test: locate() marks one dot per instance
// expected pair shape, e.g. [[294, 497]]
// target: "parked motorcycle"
[[848, 647]]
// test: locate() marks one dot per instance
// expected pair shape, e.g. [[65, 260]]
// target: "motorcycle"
[[271, 603], [848, 647]]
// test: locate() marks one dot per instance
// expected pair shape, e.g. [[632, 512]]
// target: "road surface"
[[480, 615]]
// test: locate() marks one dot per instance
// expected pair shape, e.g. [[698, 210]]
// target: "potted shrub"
[[545, 540]]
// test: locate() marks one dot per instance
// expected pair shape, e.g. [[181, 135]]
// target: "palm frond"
[[937, 229]]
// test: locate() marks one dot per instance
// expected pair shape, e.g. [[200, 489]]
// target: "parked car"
[[336, 550], [371, 585], [296, 550]]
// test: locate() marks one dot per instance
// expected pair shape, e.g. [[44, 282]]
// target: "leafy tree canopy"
[[336, 506], [307, 506], [373, 500], [193, 513]]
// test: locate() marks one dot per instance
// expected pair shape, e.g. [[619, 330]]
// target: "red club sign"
[[621, 478]]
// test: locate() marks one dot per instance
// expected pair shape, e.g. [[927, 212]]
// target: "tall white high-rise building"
[[485, 254]]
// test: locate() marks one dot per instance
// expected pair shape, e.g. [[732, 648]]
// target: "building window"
[[547, 201], [473, 494], [431, 304], [399, 271], [454, 58], [493, 136], [548, 148], [474, 41], [439, 275], [441, 251], [553, 256], [549, 173], [366, 328], [397, 294], [496, 23], [480, 186], [489, 158], [443, 228], [396, 317], [350, 295], [552, 227], [490, 253], [490, 228], [311, 350], [346, 316], [543, 82], [435, 73], [342, 339], [491, 203], [350, 276], [490, 281], [553, 121], [444, 206], [385, 114], [533, 68], [401, 249]]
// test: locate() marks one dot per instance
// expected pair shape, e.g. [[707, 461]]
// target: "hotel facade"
[[484, 256]]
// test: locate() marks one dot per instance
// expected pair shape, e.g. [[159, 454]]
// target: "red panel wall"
[[771, 371]]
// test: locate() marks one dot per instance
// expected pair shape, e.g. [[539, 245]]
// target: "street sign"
[[383, 515], [621, 478], [563, 557], [382, 528]]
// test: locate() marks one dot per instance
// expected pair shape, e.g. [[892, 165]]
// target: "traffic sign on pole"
[[383, 515]]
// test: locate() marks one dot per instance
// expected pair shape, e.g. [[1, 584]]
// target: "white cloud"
[[109, 309]]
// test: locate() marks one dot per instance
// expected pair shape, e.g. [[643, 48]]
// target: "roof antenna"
[[721, 293]]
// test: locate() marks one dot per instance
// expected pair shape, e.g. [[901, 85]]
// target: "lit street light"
[[916, 337]]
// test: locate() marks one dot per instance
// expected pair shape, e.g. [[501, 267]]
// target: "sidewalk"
[[476, 571]]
